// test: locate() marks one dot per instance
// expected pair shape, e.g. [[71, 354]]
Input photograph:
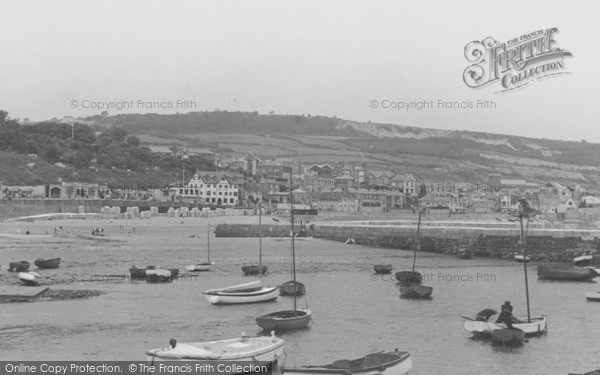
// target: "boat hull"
[[508, 337], [383, 269], [537, 326], [252, 349], [285, 320], [28, 279], [47, 263], [160, 275], [561, 272], [292, 288], [413, 290], [385, 363], [253, 270], [593, 296], [200, 267], [583, 260], [21, 266], [264, 294], [520, 258]]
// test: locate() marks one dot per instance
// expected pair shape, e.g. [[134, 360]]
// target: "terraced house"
[[215, 188]]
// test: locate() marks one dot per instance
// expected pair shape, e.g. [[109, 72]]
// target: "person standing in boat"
[[506, 315]]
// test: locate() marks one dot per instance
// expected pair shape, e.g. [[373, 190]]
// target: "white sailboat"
[[204, 266], [530, 326], [245, 293]]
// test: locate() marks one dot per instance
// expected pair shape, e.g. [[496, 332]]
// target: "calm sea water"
[[353, 312]]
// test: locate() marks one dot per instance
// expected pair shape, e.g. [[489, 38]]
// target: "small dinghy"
[[47, 263], [522, 258], [160, 275], [249, 349], [583, 259], [464, 254], [383, 363], [21, 266], [508, 337], [383, 269], [253, 270], [593, 296], [292, 288], [30, 278]]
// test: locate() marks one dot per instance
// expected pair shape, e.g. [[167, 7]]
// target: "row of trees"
[[81, 146]]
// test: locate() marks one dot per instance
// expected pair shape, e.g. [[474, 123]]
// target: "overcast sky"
[[302, 57]]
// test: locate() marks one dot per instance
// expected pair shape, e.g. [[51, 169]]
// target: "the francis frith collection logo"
[[514, 63]]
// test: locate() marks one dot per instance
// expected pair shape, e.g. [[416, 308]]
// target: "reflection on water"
[[352, 313]]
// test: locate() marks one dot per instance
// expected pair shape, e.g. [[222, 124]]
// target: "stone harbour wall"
[[485, 241]]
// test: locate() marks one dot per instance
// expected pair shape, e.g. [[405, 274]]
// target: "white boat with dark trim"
[[266, 349], [245, 293], [204, 266], [391, 362], [536, 326], [252, 292]]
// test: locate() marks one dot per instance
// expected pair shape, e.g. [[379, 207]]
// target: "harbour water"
[[354, 311]]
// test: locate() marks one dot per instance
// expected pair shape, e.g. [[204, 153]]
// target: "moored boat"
[[565, 272], [205, 266], [253, 270], [47, 263], [383, 363], [383, 269], [292, 288], [415, 290], [21, 266], [285, 320], [522, 258], [593, 296], [481, 328], [464, 253], [251, 349], [139, 273], [244, 293], [30, 278], [160, 275], [583, 259], [294, 318], [508, 337]]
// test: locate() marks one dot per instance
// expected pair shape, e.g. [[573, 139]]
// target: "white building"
[[212, 188]]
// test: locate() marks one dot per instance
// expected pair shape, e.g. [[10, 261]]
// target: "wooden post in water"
[[524, 247], [208, 245]]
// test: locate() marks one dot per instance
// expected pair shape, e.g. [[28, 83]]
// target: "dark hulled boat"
[[292, 288], [294, 318], [47, 263], [565, 272], [383, 269], [382, 363], [21, 266], [253, 270]]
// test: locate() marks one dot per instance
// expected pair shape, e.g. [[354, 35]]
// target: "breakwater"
[[498, 240]]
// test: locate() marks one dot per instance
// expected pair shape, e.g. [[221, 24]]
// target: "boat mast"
[[417, 245], [293, 246], [260, 239], [523, 241], [208, 246]]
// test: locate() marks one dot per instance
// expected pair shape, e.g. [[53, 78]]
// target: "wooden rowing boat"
[[47, 263]]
